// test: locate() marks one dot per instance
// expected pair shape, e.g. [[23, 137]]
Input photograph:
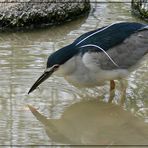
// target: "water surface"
[[23, 58]]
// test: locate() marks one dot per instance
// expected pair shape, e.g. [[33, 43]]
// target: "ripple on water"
[[23, 58]]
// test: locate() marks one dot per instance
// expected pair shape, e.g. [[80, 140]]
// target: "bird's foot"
[[123, 84], [112, 91]]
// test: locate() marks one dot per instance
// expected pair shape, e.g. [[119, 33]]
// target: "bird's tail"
[[144, 28]]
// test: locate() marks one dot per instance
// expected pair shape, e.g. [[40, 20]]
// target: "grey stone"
[[35, 13]]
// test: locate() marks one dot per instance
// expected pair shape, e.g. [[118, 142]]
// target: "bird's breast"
[[76, 73], [79, 75]]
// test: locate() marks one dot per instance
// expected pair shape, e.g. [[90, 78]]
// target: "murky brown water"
[[22, 59]]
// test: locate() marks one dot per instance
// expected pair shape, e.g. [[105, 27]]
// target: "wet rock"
[[140, 8], [35, 13]]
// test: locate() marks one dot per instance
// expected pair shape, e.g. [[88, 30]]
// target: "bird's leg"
[[112, 91], [123, 84]]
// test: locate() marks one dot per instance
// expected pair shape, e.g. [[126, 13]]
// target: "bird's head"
[[55, 60]]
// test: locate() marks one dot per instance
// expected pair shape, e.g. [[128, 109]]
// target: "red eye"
[[56, 66]]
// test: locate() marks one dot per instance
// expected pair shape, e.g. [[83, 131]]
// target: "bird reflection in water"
[[95, 123]]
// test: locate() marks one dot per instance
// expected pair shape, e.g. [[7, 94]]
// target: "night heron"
[[108, 53]]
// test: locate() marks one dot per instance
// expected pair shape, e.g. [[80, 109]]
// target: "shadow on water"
[[94, 123]]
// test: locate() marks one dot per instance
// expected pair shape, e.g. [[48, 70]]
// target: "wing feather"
[[127, 54], [120, 57], [92, 46], [109, 36]]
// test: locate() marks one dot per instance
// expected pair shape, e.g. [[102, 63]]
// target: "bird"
[[108, 53]]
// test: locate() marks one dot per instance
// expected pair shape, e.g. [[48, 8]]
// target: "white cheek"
[[67, 68], [59, 72]]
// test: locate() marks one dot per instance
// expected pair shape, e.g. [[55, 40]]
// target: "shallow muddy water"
[[75, 116]]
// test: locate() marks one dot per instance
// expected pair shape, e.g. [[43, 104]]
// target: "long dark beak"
[[41, 79]]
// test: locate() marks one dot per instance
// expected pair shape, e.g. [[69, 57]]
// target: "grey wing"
[[126, 54], [91, 60]]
